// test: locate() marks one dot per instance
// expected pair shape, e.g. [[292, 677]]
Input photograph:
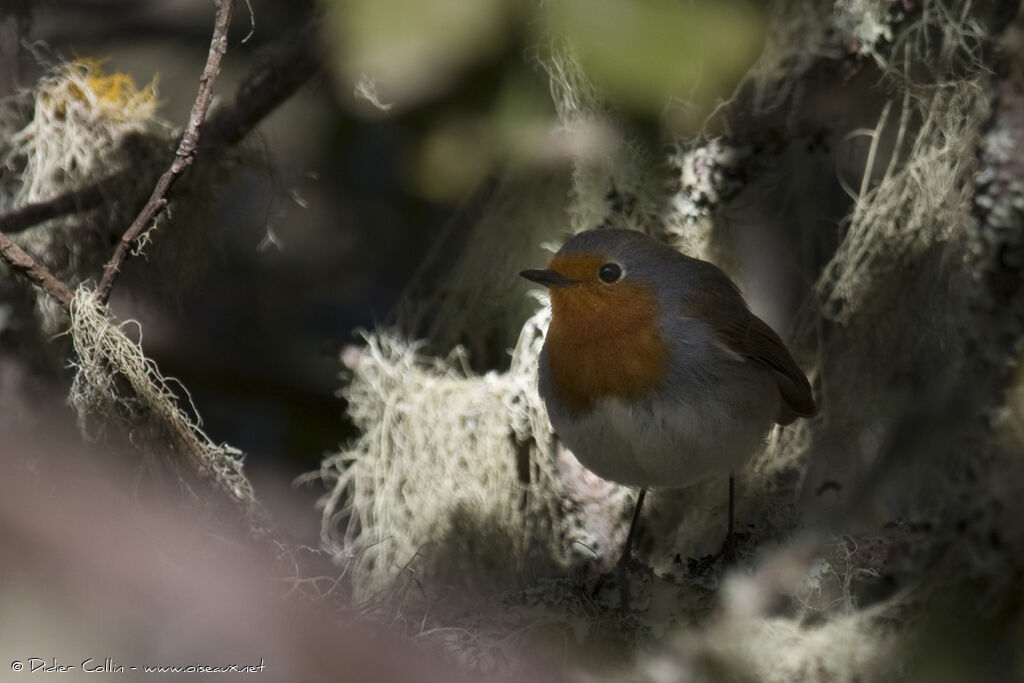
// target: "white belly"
[[669, 444]]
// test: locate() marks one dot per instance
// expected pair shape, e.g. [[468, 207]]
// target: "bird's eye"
[[609, 273]]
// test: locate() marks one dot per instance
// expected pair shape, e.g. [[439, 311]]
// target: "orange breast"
[[604, 342]]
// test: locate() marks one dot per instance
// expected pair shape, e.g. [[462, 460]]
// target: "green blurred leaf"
[[411, 49], [644, 53], [453, 158]]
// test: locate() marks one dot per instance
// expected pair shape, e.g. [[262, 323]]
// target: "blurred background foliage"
[[658, 60]]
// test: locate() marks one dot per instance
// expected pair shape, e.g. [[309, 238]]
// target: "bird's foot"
[[727, 553], [620, 586]]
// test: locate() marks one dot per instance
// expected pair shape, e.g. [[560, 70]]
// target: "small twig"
[[72, 201], [40, 275], [183, 157]]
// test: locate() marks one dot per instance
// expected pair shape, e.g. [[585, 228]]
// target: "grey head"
[[691, 290]]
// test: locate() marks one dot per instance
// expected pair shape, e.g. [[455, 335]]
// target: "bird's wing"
[[719, 303]]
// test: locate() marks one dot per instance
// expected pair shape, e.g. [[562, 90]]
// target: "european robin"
[[654, 371]]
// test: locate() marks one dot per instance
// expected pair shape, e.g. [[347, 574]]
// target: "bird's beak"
[[548, 278]]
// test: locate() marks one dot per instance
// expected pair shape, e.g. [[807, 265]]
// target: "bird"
[[654, 371]]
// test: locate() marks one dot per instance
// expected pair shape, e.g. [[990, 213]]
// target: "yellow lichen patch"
[[114, 96], [81, 115]]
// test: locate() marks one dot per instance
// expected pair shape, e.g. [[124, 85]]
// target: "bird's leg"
[[732, 502], [626, 551], [728, 551], [620, 567]]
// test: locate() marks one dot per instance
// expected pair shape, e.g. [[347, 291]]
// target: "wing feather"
[[719, 304]]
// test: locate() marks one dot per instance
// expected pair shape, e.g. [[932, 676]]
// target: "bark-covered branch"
[[21, 262], [183, 157]]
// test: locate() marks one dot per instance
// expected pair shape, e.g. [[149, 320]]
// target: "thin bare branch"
[[72, 201], [183, 157], [21, 262]]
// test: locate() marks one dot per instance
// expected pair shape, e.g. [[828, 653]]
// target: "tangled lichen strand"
[[866, 24], [797, 37], [578, 104], [921, 199], [850, 647], [916, 190], [432, 484], [117, 388], [81, 115], [709, 174], [616, 181]]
